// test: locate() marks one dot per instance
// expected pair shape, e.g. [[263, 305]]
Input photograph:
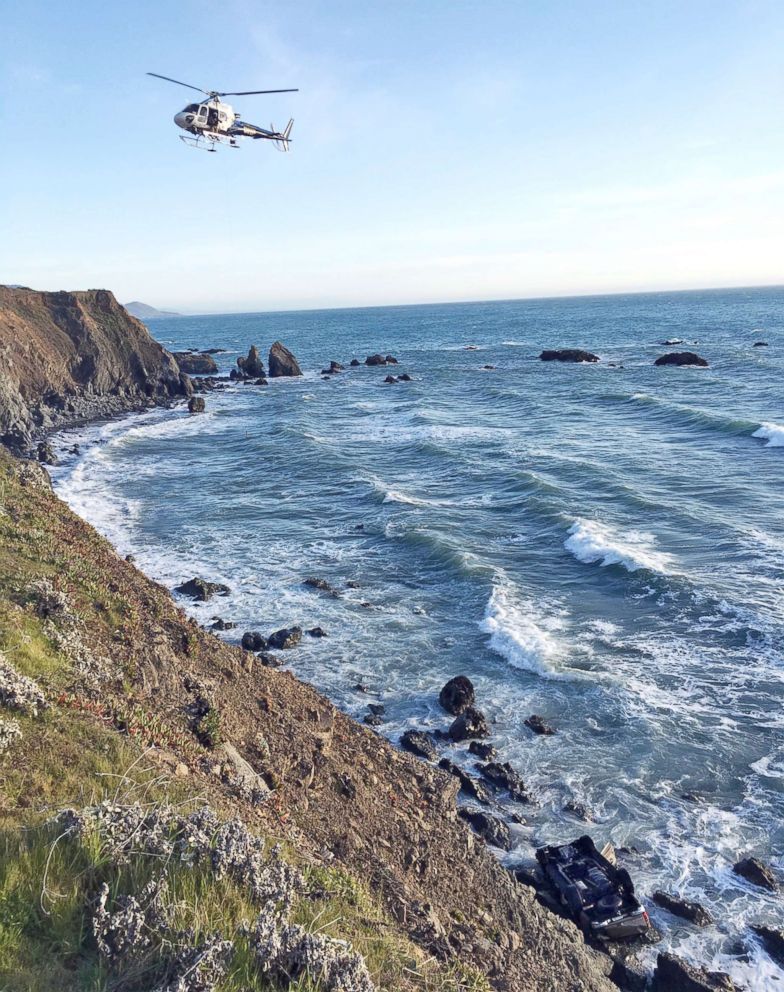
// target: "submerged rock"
[[691, 911], [470, 723], [419, 743], [287, 637], [503, 776], [673, 974], [457, 695], [404, 377], [391, 379], [756, 872], [492, 830], [568, 355], [316, 632], [202, 590], [772, 940], [538, 725], [578, 809], [322, 585], [471, 786], [760, 344], [487, 752], [375, 360], [282, 362], [681, 358]]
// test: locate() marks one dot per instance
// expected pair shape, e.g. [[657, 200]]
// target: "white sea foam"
[[532, 646], [772, 433], [591, 541]]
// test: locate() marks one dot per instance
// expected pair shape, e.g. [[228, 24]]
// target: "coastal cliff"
[[66, 357], [125, 728]]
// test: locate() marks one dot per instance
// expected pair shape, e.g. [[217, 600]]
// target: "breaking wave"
[[514, 636], [772, 433], [591, 542]]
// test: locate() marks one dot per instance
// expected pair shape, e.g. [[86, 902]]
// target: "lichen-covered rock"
[[18, 692], [10, 731]]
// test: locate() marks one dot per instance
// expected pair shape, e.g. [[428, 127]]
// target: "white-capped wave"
[[525, 643], [772, 433], [590, 541]]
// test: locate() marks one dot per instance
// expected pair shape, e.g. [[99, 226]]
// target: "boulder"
[[269, 660], [470, 723], [252, 640], [288, 637], [322, 585], [772, 940], [373, 719], [390, 360], [391, 379], [471, 786], [578, 809], [375, 360], [282, 362], [568, 355], [492, 830], [457, 695], [482, 750], [691, 911], [220, 624], [681, 358], [252, 366], [538, 725], [333, 368], [354, 362], [46, 454], [419, 743], [202, 590], [196, 404], [202, 364], [503, 776], [756, 872], [316, 632], [404, 377], [260, 382], [673, 974]]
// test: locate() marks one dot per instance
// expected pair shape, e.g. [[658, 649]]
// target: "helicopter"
[[211, 122]]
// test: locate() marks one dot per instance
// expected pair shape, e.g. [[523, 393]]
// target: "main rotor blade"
[[177, 81], [247, 92]]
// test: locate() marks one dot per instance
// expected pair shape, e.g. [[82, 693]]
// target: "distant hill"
[[144, 310]]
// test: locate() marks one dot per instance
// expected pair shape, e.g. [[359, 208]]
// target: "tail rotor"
[[282, 143]]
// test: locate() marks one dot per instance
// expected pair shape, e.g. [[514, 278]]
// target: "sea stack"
[[282, 362]]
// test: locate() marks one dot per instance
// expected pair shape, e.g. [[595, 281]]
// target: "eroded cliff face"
[[66, 357]]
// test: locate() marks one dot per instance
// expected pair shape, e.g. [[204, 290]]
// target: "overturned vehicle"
[[597, 894]]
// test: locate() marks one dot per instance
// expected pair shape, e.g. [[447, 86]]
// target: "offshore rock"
[[471, 786], [252, 640], [282, 362], [457, 695], [568, 355], [681, 358], [252, 366], [196, 404], [288, 637], [194, 363], [756, 872], [470, 723], [481, 749], [322, 585], [503, 776], [375, 360], [672, 974], [773, 941], [538, 725], [691, 911], [202, 590]]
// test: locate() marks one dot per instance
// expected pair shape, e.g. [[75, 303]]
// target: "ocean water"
[[601, 545]]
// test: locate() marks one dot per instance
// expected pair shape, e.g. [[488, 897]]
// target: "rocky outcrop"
[[672, 974], [681, 358], [457, 695], [538, 724], [66, 357], [195, 363], [252, 366], [196, 404], [691, 911], [282, 362], [568, 355], [201, 590], [288, 637], [470, 723], [772, 940], [419, 743], [756, 872]]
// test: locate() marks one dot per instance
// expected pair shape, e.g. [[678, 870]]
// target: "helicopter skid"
[[207, 141]]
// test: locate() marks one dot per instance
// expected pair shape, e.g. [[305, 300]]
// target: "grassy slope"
[[83, 749]]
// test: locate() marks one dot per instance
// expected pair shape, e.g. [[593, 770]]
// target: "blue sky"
[[443, 150]]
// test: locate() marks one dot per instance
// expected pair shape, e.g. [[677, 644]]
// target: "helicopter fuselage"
[[211, 116]]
